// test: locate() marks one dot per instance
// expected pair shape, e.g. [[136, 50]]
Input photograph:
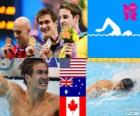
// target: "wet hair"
[[128, 84], [47, 11], [73, 8], [26, 66]]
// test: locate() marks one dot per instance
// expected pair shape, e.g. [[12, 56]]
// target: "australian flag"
[[72, 87]]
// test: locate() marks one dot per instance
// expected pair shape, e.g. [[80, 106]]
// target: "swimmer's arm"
[[4, 86], [9, 88], [91, 88]]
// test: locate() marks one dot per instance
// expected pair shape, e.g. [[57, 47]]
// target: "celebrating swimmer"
[[35, 101]]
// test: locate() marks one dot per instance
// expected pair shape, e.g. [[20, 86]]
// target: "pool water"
[[114, 103], [4, 108]]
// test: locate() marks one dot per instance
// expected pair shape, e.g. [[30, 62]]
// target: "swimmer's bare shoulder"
[[104, 83], [52, 101]]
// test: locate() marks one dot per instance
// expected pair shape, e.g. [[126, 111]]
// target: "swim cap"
[[128, 84]]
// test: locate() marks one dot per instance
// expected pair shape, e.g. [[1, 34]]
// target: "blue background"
[[118, 47]]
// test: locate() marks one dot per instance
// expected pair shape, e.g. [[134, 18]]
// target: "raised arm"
[[7, 86], [4, 86], [91, 88], [109, 22]]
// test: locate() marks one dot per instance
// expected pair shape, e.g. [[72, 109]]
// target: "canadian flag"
[[72, 106]]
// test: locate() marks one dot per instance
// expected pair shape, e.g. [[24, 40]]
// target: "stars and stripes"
[[73, 67], [73, 87]]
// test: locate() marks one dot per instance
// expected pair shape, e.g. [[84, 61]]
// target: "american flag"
[[73, 67]]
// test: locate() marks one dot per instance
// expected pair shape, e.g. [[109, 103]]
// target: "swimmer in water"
[[116, 30], [35, 101], [101, 86]]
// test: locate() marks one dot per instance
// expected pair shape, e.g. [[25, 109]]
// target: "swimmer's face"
[[67, 19], [21, 33], [47, 26], [39, 77]]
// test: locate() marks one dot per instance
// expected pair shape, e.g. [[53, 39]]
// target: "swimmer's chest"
[[22, 108]]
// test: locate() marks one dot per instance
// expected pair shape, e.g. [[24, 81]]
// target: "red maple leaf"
[[72, 106]]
